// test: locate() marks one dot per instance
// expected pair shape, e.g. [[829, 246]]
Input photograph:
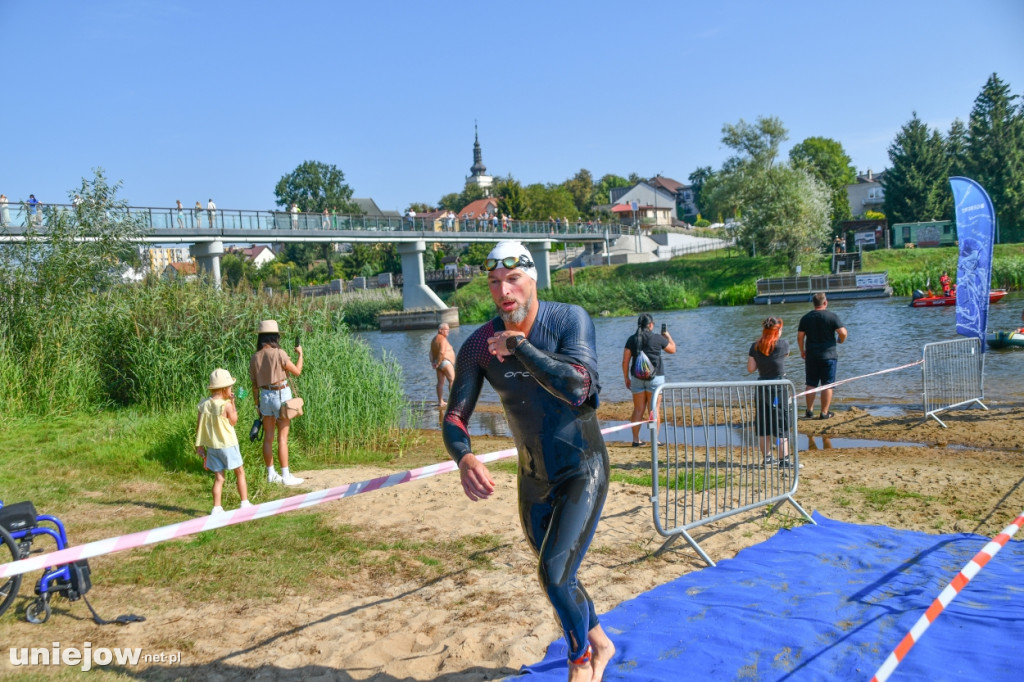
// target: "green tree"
[[73, 253], [235, 268], [917, 183], [782, 209], [511, 198], [581, 187], [698, 179], [604, 187], [421, 208], [995, 154], [549, 201], [456, 202], [314, 187], [758, 143], [956, 161], [956, 148], [829, 163], [475, 253], [451, 202]]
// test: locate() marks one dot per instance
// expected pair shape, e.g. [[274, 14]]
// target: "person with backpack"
[[643, 369]]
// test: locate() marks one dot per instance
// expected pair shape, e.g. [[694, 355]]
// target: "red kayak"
[[929, 301]]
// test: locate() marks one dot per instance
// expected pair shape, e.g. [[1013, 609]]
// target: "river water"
[[712, 345]]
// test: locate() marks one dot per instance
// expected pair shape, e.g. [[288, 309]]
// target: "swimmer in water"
[[539, 358]]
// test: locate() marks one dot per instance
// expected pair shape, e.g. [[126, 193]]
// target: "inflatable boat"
[[921, 300], [1005, 339]]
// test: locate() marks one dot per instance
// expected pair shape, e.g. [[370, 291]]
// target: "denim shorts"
[[820, 372], [220, 459], [271, 399], [641, 385]]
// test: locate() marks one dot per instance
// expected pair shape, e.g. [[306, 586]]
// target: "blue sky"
[[193, 100]]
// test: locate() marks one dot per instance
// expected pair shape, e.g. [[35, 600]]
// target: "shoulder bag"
[[292, 408]]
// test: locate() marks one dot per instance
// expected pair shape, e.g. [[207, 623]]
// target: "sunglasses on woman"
[[508, 262]]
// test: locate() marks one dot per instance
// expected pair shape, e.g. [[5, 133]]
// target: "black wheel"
[[8, 586], [38, 611]]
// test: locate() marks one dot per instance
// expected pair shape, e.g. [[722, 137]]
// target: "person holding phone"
[[268, 370], [651, 344]]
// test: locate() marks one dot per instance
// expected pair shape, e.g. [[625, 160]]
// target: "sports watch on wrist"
[[513, 342]]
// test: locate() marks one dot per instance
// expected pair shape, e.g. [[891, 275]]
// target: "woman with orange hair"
[[768, 357]]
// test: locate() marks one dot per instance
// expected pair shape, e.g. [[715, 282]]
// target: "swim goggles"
[[508, 262]]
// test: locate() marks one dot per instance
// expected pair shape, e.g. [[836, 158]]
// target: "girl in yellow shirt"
[[216, 441]]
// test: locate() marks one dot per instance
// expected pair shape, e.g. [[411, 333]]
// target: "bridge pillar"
[[208, 254], [541, 252], [415, 292]]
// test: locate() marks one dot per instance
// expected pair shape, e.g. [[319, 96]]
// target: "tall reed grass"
[[153, 347]]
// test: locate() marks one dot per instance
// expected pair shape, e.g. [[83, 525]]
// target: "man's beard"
[[518, 314]]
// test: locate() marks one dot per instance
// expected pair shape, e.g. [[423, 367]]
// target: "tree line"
[[792, 207], [988, 148]]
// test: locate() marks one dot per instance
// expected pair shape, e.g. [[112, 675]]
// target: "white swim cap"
[[513, 249]]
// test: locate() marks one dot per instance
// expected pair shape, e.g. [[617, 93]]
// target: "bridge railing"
[[18, 216]]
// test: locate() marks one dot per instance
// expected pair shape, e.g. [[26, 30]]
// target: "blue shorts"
[[271, 399], [819, 372], [641, 385], [220, 459]]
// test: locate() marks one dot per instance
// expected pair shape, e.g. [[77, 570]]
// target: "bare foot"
[[442, 403], [602, 652]]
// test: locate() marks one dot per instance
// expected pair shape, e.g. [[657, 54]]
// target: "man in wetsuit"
[[539, 357]]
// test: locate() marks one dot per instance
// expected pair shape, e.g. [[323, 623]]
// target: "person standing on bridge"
[[442, 359], [295, 215], [181, 215], [539, 357], [817, 335], [211, 213], [5, 212], [198, 211], [33, 209]]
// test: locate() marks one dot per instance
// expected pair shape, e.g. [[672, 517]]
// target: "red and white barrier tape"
[[862, 376], [230, 518], [946, 596]]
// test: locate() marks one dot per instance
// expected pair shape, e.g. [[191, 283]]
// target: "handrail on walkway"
[[25, 217]]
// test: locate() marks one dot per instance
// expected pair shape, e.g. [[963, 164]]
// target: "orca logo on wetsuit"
[[517, 375]]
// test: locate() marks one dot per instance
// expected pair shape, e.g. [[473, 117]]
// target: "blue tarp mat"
[[825, 602]]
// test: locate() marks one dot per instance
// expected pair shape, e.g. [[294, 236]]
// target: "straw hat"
[[220, 378], [268, 327]]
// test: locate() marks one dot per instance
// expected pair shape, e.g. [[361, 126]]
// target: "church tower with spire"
[[479, 175]]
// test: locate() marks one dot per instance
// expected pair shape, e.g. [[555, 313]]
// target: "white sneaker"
[[291, 480], [245, 503], [274, 477], [217, 510]]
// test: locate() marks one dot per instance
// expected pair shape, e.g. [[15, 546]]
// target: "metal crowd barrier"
[[954, 375], [728, 448]]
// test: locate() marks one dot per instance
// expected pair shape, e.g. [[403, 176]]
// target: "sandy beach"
[[484, 622]]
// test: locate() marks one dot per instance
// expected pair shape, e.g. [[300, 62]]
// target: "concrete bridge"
[[208, 231]]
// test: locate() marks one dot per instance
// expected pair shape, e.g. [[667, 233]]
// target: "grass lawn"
[[114, 473]]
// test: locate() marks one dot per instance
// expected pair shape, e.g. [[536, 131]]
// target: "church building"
[[479, 175]]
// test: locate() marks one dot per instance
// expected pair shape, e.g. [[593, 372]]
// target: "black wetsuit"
[[549, 392]]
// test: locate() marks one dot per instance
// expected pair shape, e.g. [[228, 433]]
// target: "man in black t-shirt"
[[817, 336]]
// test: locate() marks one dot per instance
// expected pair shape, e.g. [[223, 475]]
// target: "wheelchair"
[[20, 525]]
